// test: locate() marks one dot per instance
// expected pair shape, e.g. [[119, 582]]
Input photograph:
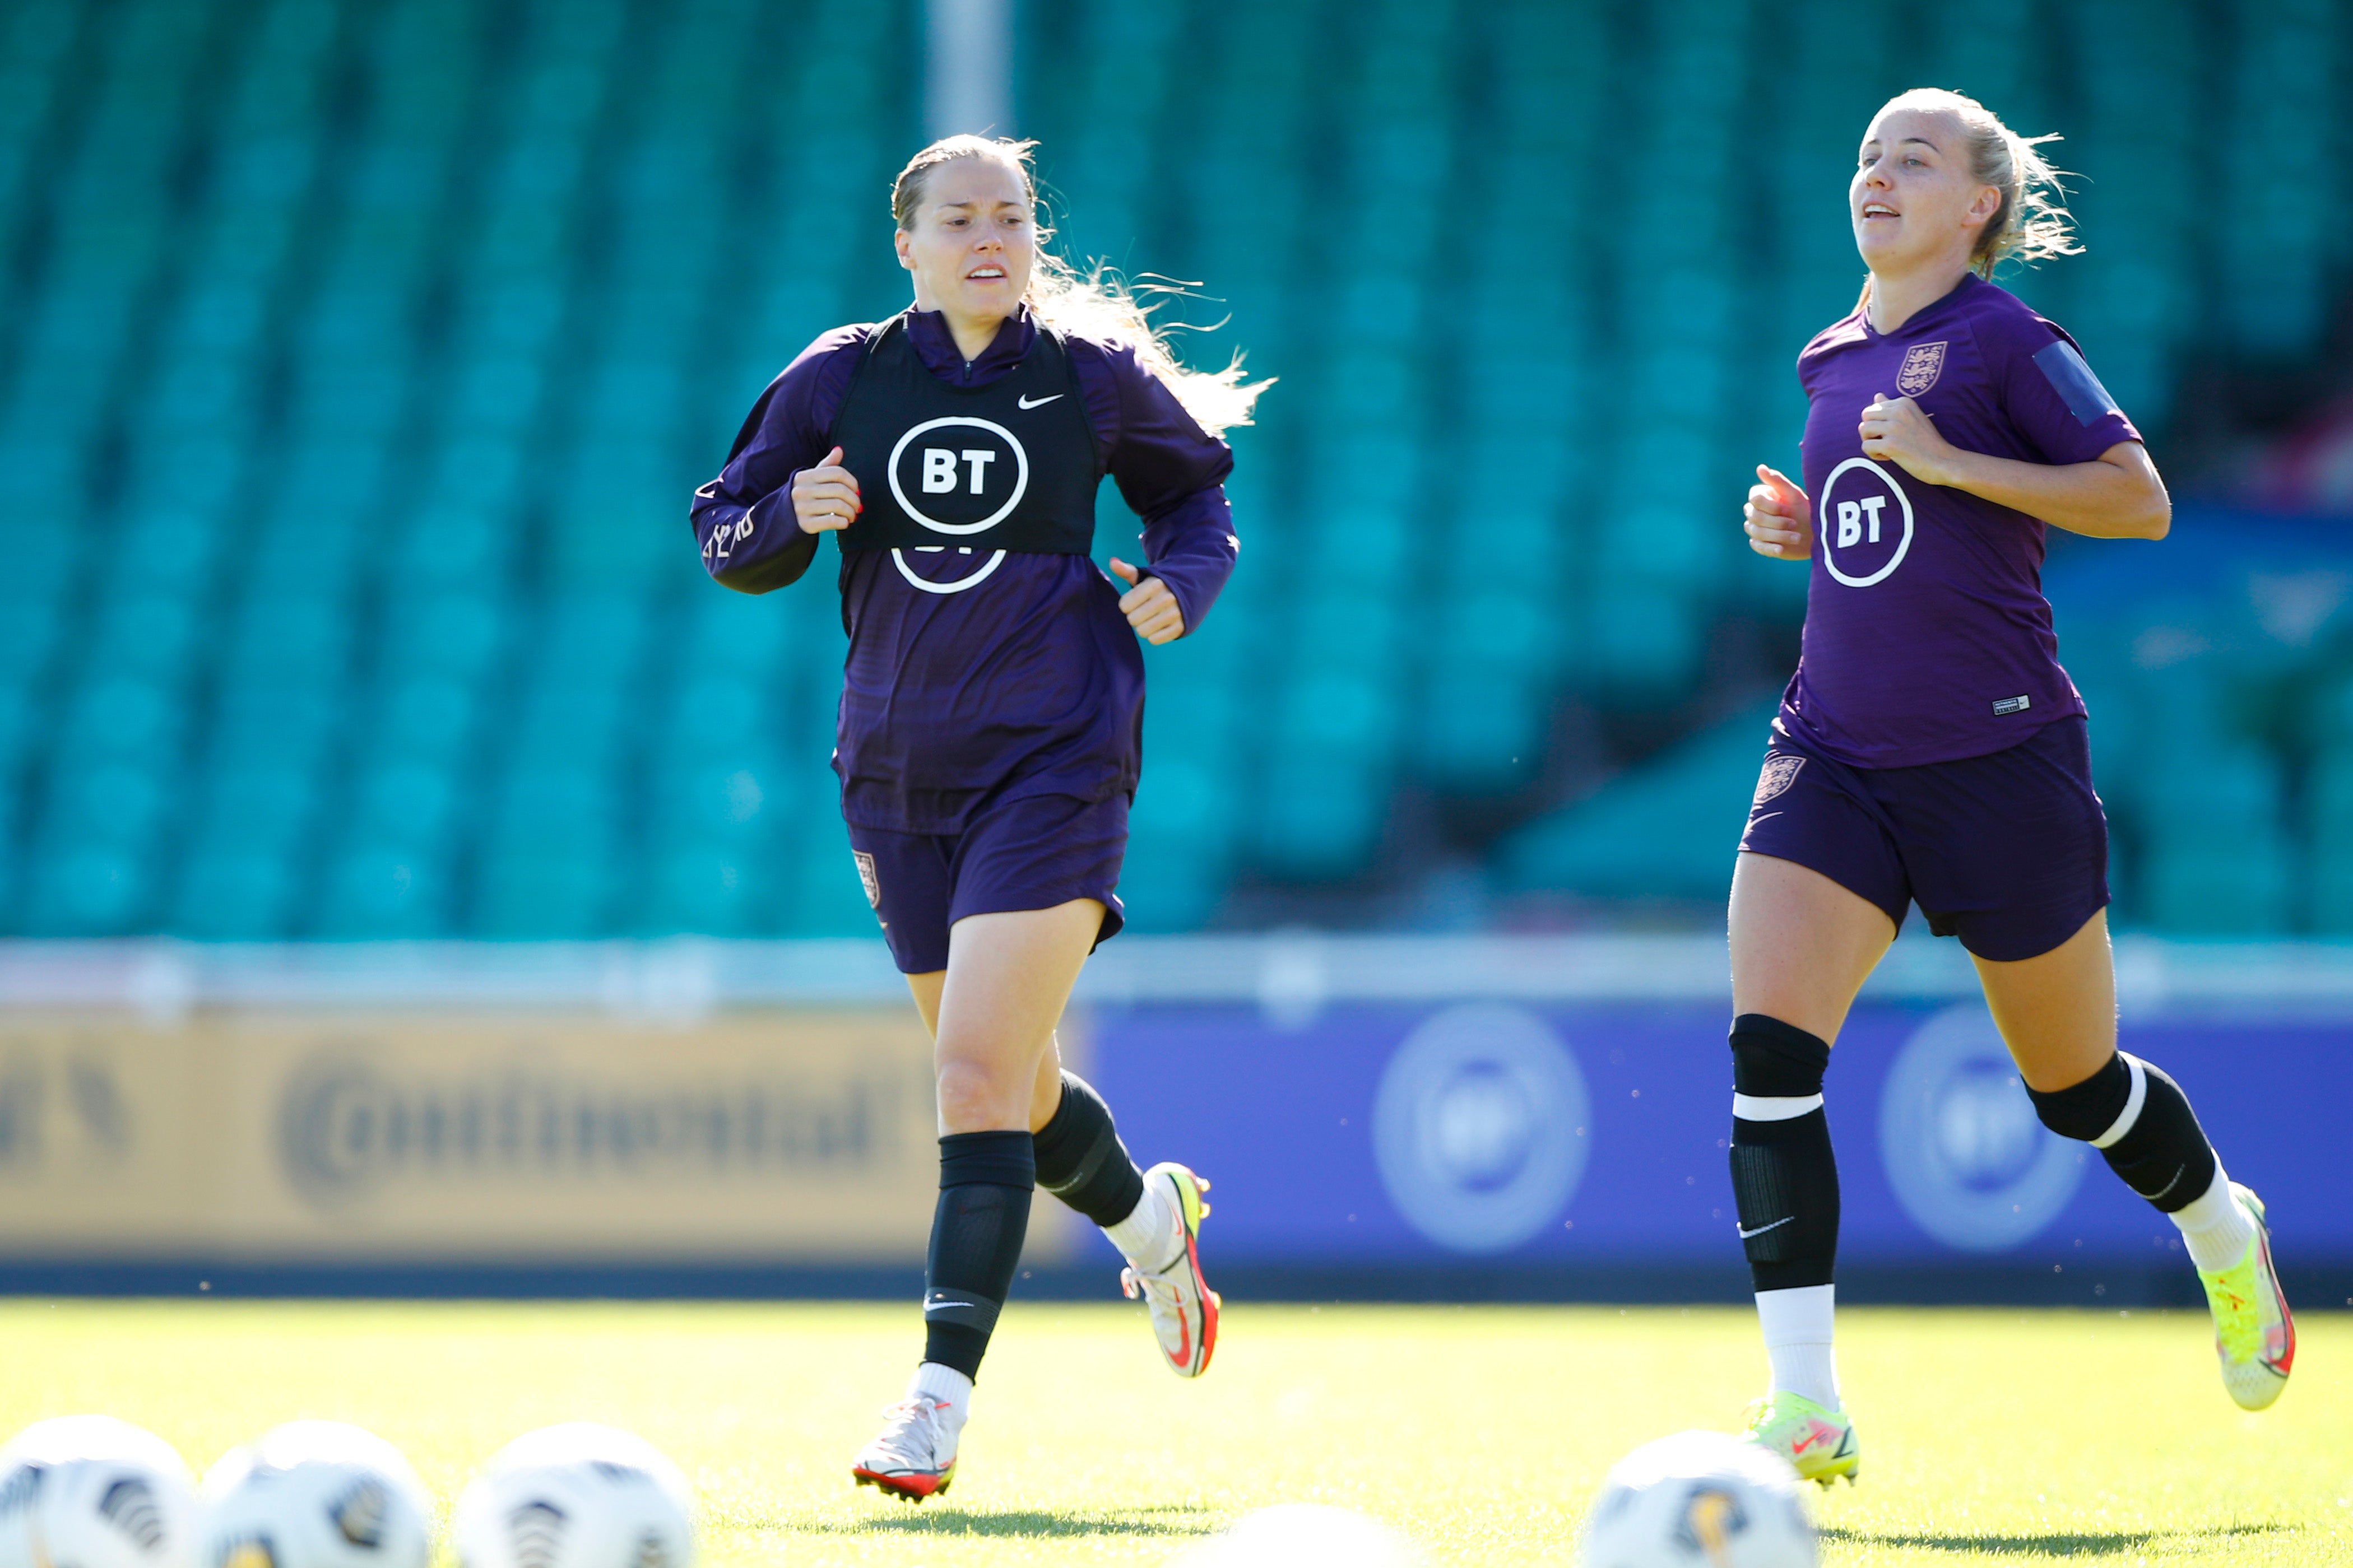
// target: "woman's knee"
[[1802, 945], [978, 1095]]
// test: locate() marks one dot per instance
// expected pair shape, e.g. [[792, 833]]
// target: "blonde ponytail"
[[1098, 303]]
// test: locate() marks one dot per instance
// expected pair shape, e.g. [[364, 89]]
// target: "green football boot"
[[1821, 1444], [2254, 1338]]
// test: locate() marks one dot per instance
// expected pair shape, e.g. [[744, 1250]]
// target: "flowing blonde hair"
[[2032, 223], [1097, 303]]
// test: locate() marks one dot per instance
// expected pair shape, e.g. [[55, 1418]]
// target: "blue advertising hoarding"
[[1570, 1134]]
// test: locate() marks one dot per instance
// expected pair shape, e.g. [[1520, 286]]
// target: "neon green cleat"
[[1820, 1443], [2254, 1336]]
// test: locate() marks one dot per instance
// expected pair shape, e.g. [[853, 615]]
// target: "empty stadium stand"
[[357, 360]]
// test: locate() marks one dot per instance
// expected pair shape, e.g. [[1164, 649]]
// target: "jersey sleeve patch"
[[2072, 380]]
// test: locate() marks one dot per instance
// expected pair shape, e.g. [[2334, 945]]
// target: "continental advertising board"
[[788, 1137]]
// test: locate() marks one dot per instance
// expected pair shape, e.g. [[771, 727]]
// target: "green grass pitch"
[[1995, 1438]]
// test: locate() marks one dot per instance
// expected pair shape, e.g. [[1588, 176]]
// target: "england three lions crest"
[[1923, 363], [1779, 773]]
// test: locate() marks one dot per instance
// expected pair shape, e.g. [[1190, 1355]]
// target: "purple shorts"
[[1030, 853], [2007, 851]]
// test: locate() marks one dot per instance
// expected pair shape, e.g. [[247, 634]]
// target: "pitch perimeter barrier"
[[1447, 1117]]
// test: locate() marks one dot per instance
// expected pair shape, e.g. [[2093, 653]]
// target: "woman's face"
[[974, 239], [1914, 200]]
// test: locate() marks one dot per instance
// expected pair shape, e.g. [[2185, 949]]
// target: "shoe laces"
[[1151, 1287], [904, 1415]]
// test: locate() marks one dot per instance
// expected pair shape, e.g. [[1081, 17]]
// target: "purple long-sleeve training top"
[[1031, 684]]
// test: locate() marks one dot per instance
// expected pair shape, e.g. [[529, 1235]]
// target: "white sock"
[[1150, 1236], [1797, 1326], [2214, 1228], [943, 1385]]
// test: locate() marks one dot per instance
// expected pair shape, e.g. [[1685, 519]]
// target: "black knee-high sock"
[[976, 1233], [2141, 1123], [1081, 1159], [1784, 1173]]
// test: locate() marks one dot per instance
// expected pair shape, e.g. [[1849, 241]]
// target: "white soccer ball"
[[91, 1492], [1302, 1535], [315, 1494], [575, 1496], [1699, 1499]]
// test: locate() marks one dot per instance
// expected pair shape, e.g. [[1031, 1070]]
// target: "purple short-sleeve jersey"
[[1927, 637]]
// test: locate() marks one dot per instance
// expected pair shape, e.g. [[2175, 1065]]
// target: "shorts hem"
[[1113, 922], [2038, 947]]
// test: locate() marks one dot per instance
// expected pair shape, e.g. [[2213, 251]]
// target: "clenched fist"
[[826, 497], [1898, 431], [1778, 517], [1148, 605]]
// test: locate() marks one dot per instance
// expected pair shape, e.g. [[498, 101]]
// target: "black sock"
[[1081, 1159], [976, 1234], [2141, 1123], [1784, 1173]]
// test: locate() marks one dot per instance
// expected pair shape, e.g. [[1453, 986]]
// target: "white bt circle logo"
[[1969, 1160], [971, 473], [1865, 520], [1479, 1127], [960, 466]]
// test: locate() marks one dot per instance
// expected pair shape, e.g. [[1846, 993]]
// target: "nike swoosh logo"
[[1037, 402], [936, 1305], [1761, 1229]]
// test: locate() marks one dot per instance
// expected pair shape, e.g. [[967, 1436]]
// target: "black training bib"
[[1009, 466]]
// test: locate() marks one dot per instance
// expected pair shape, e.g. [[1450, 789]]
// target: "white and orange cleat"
[[1183, 1309], [914, 1456]]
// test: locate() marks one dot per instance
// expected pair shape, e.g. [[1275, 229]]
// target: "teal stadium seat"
[[2329, 808], [385, 891], [242, 871], [1666, 829], [2217, 855], [430, 717], [548, 863]]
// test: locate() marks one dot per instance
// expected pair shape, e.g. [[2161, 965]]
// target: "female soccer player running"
[[1931, 749], [991, 710]]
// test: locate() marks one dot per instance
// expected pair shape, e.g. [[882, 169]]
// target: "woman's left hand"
[[1897, 430], [1148, 605]]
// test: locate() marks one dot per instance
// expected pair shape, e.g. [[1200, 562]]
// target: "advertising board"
[[500, 1138], [1595, 1133]]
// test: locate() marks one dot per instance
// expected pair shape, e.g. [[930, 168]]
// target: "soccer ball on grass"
[[91, 1492], [315, 1494], [1699, 1499], [575, 1496]]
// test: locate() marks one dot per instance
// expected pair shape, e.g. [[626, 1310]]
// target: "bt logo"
[[966, 489], [940, 469], [1861, 506], [1850, 518]]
